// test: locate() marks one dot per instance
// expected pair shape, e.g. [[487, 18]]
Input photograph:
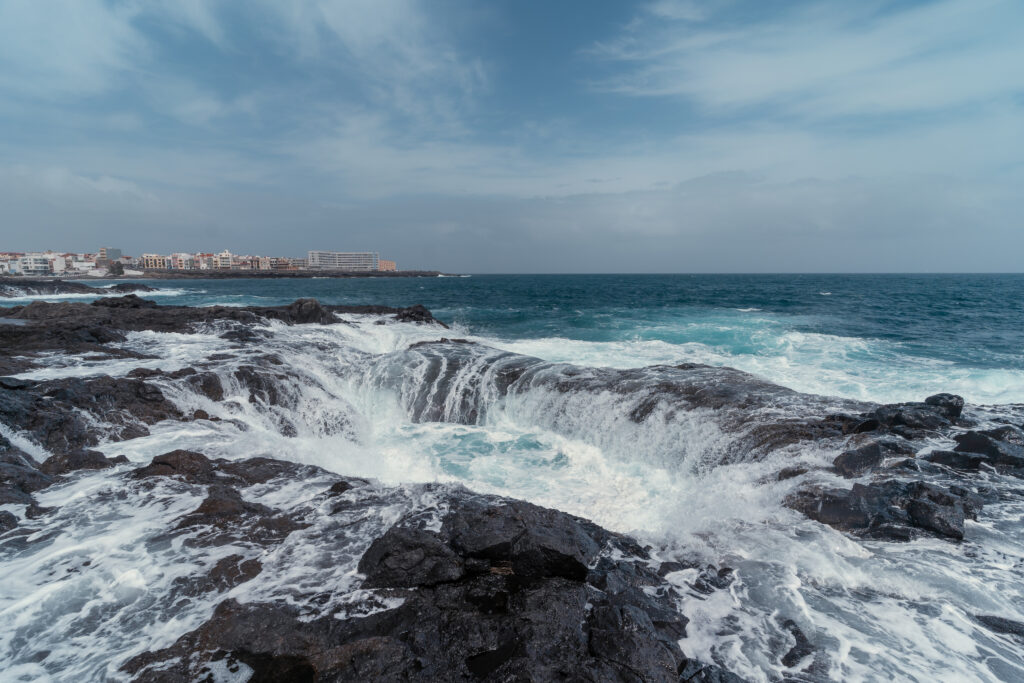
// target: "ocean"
[[373, 404]]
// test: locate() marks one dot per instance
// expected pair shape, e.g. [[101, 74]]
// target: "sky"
[[521, 135]]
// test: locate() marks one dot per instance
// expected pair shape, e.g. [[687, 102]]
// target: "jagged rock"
[[950, 405], [227, 573], [18, 288], [193, 467], [906, 417], [406, 558], [51, 411], [965, 462], [301, 312], [19, 476], [857, 461], [263, 386], [83, 459], [889, 510], [996, 445], [504, 600], [860, 460], [225, 517], [131, 287]]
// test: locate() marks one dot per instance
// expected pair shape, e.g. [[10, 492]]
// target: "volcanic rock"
[[890, 510], [510, 591], [82, 459]]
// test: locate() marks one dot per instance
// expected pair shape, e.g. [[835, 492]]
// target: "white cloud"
[[828, 59], [65, 47]]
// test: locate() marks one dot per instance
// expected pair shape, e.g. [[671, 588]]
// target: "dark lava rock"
[[503, 591], [225, 517], [889, 510], [868, 425], [17, 287], [123, 287], [83, 459], [950, 405], [264, 386], [7, 521], [19, 476], [229, 572], [964, 462], [339, 488], [802, 648], [416, 314], [406, 558], [52, 411], [193, 467], [1002, 625], [997, 445], [860, 460], [791, 473], [301, 312], [905, 418], [127, 301], [857, 461]]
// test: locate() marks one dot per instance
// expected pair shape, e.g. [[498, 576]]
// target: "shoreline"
[[232, 275]]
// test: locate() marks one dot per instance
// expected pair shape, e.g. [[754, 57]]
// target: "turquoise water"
[[871, 337]]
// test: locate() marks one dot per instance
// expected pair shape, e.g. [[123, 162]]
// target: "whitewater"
[[518, 401]]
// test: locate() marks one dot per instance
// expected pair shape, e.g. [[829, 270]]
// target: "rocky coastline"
[[487, 588]]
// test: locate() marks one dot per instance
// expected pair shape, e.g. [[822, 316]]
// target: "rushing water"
[[362, 403]]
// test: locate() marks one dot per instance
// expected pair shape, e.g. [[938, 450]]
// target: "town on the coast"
[[108, 261]]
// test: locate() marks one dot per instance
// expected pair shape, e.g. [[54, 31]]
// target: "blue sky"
[[521, 136]]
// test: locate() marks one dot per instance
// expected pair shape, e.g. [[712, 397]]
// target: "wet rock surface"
[[75, 413], [503, 590], [84, 328], [891, 510]]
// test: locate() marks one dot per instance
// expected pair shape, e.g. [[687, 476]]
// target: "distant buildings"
[[98, 264], [343, 260]]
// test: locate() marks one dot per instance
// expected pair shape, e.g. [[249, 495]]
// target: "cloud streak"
[[655, 142]]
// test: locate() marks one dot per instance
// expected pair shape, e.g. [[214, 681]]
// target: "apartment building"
[[386, 265], [343, 260], [154, 262]]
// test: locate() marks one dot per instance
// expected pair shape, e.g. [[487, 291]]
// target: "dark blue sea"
[[873, 337]]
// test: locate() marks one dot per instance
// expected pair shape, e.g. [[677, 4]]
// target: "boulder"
[[860, 460], [890, 510], [950, 405], [190, 466], [82, 459]]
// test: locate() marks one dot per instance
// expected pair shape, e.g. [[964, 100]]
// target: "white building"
[[343, 260], [223, 260], [35, 264]]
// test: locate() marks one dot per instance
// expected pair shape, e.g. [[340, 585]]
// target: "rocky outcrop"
[[74, 413], [90, 328], [502, 590], [17, 287], [10, 288], [891, 510]]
